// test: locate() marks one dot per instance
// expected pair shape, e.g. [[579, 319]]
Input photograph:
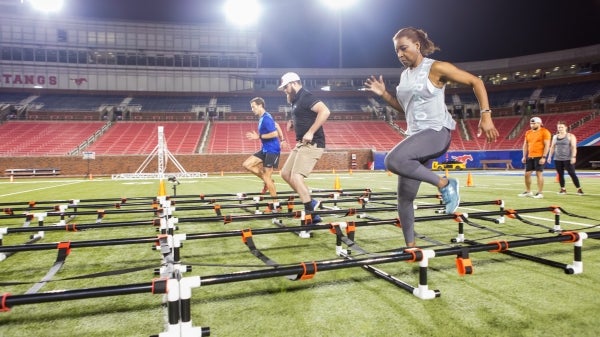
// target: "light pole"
[[338, 6], [339, 17]]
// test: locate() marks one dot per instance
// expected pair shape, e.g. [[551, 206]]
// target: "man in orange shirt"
[[535, 151]]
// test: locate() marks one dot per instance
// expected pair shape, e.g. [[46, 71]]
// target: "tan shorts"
[[303, 159]]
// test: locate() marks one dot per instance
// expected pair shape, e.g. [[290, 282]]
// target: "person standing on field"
[[535, 152], [564, 149]]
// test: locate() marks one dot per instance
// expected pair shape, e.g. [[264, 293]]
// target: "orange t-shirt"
[[535, 141]]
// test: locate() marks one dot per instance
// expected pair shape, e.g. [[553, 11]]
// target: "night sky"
[[305, 33]]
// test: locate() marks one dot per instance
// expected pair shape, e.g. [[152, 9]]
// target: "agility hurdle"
[[179, 290], [390, 221]]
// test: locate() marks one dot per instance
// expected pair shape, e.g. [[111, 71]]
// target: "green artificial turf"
[[505, 296]]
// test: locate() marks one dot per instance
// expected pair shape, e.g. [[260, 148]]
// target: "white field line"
[[562, 221], [41, 188]]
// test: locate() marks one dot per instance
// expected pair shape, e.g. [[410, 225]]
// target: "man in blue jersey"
[[266, 159]]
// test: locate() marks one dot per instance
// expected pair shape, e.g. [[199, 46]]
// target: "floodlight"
[[339, 4], [46, 5], [242, 12]]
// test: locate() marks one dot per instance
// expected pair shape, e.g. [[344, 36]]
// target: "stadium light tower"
[[242, 12], [338, 6]]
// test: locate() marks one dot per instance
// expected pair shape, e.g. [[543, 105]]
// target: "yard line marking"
[[40, 189], [562, 221]]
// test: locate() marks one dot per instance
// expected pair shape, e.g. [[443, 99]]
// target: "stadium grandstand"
[[70, 87]]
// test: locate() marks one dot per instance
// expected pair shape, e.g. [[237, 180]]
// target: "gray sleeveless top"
[[423, 103], [562, 148]]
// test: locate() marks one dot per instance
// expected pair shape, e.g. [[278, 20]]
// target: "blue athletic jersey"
[[266, 124]]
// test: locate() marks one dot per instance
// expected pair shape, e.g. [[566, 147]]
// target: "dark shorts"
[[533, 164], [269, 159]]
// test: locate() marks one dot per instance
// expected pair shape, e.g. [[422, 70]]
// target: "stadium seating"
[[586, 130], [236, 103], [506, 97], [376, 135], [459, 143], [571, 92], [346, 104], [506, 125], [169, 103], [348, 126], [28, 138], [550, 121], [142, 137], [58, 102], [497, 98], [12, 97], [230, 137], [20, 138]]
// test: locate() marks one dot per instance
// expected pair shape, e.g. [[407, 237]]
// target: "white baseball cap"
[[288, 78], [535, 120]]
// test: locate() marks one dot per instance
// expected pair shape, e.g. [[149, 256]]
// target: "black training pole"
[[76, 294], [7, 301]]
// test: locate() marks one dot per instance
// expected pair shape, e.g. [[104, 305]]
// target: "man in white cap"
[[308, 116], [535, 151]]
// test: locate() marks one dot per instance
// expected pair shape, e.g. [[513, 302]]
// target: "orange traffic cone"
[[336, 183], [556, 179], [469, 180]]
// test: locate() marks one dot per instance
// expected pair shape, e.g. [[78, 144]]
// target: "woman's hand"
[[375, 85]]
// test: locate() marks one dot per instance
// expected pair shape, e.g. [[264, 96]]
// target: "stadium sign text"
[[29, 79]]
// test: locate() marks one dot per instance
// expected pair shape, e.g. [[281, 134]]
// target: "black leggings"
[[561, 166]]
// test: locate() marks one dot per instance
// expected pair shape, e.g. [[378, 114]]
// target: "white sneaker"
[[525, 194], [304, 234], [562, 191], [538, 196]]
